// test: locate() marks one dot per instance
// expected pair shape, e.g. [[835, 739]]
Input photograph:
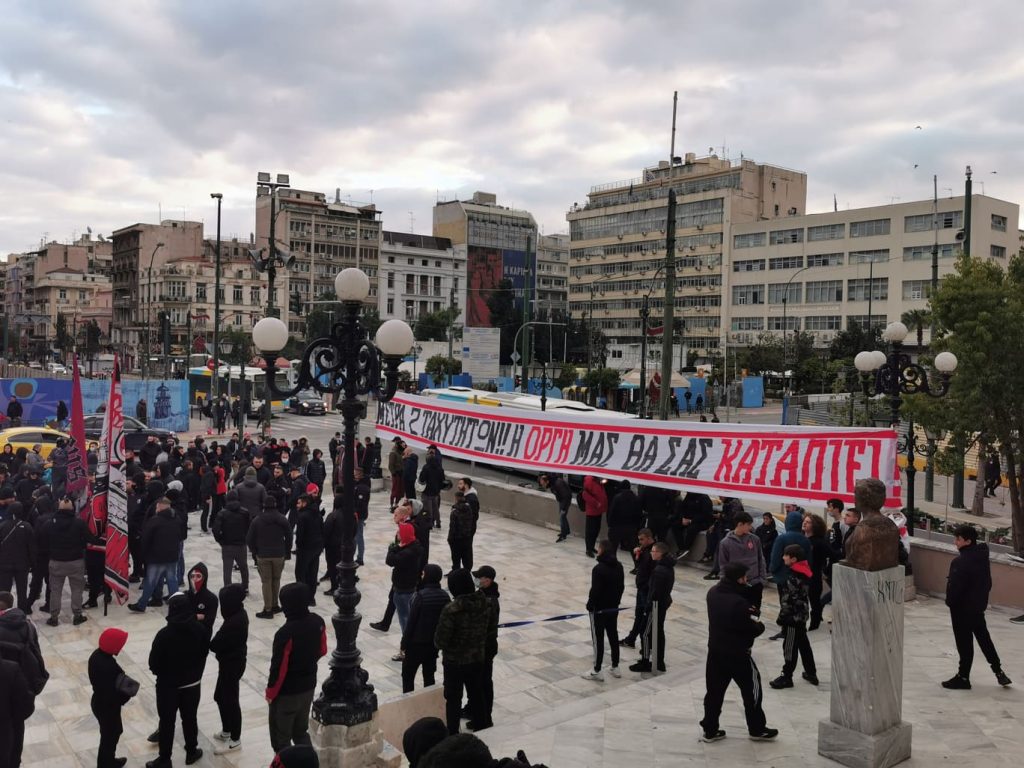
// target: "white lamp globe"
[[945, 362], [351, 285], [270, 334], [864, 362], [394, 337], [879, 359], [895, 332]]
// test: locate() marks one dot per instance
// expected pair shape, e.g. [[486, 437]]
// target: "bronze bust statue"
[[875, 543]]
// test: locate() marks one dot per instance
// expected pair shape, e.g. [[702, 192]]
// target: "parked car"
[[26, 437], [307, 404], [56, 368], [136, 434]]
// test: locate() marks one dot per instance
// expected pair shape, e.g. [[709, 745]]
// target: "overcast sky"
[[114, 110]]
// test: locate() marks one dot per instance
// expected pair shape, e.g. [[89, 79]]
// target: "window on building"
[[455, 283], [423, 285], [200, 291], [823, 291], [391, 279], [236, 295], [920, 252], [862, 289], [412, 262], [916, 290], [81, 295], [791, 293], [437, 263], [787, 323], [923, 222], [861, 321], [410, 284], [864, 257], [748, 265], [437, 285], [786, 262], [826, 232], [238, 319], [391, 307], [753, 240], [747, 324], [997, 252], [823, 323], [998, 222], [825, 260], [410, 310], [781, 236], [62, 293], [254, 296], [391, 259], [870, 228], [748, 294]]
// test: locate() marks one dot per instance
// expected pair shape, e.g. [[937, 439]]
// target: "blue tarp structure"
[[753, 392]]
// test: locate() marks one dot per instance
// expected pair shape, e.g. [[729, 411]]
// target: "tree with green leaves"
[[602, 381], [502, 306], [241, 346], [917, 320], [434, 326], [764, 356], [62, 338], [442, 366], [566, 376]]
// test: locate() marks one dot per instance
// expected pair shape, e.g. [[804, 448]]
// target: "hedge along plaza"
[[772, 463]]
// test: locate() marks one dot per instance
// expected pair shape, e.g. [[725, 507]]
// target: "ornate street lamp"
[[894, 375], [354, 366]]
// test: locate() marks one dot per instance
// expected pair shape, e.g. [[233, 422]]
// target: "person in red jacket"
[[595, 505]]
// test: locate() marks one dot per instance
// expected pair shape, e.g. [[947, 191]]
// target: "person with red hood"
[[595, 505], [107, 697], [793, 612]]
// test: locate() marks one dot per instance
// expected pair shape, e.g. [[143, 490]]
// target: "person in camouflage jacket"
[[467, 627], [794, 608]]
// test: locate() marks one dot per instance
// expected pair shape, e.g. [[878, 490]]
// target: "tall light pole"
[[149, 314], [269, 264], [785, 328], [670, 301], [216, 302]]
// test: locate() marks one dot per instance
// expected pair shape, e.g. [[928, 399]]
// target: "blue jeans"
[[360, 543], [157, 573], [403, 602], [563, 522]]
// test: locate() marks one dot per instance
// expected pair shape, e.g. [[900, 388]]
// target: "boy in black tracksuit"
[[607, 583], [229, 645], [418, 637], [309, 543], [644, 566], [793, 613], [732, 628], [659, 598], [204, 602]]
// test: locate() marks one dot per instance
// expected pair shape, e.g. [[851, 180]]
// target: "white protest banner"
[[755, 461]]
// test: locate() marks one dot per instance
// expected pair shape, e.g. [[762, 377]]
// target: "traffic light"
[[295, 304]]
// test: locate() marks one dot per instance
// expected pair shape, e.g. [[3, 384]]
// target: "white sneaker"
[[614, 672], [594, 675], [227, 746], [222, 736]]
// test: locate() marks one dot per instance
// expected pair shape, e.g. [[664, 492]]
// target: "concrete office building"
[[497, 240], [420, 274], [617, 250], [325, 238], [552, 297], [822, 272]]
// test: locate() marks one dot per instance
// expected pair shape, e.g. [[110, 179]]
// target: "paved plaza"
[[542, 704]]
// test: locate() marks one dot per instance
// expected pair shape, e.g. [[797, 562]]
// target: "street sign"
[[516, 357]]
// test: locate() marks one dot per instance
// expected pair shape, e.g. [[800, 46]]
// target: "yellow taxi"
[[26, 437]]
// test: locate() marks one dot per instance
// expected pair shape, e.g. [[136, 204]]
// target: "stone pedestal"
[[353, 746], [865, 727]]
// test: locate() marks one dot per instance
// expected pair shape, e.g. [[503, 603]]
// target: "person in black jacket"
[[161, 537], [461, 528], [191, 484], [816, 531], [487, 579], [362, 494], [607, 583], [177, 658], [657, 504], [405, 559], [229, 645], [432, 477], [967, 588], [732, 629], [17, 552], [298, 646], [16, 706], [418, 636], [644, 565], [270, 541], [659, 598], [316, 470], [18, 636], [309, 543], [107, 700], [691, 514], [625, 518], [66, 537], [229, 530], [563, 496], [204, 602]]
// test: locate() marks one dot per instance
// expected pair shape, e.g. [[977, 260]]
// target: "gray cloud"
[[111, 110]]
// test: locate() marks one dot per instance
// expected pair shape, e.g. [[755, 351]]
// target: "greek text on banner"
[[757, 461]]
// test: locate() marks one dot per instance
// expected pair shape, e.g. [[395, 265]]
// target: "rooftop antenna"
[[371, 197], [337, 195], [672, 146], [412, 223]]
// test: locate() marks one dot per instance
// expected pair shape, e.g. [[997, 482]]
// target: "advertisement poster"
[[484, 271], [481, 348]]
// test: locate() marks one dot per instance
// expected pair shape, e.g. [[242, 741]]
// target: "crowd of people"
[[261, 501]]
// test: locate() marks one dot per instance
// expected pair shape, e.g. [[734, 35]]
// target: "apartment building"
[[552, 279], [420, 274], [823, 272], [617, 247], [501, 244], [324, 237]]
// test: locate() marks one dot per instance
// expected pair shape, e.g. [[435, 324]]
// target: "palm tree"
[[918, 319]]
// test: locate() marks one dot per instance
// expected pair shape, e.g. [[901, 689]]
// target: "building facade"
[[552, 280], [823, 272], [420, 274], [617, 248], [324, 238], [501, 244]]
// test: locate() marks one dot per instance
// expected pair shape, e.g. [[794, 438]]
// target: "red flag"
[[78, 478], [656, 331], [110, 504]]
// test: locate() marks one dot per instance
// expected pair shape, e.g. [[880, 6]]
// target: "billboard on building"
[[481, 348], [486, 268]]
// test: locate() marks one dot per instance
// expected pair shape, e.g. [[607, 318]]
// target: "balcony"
[[175, 299]]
